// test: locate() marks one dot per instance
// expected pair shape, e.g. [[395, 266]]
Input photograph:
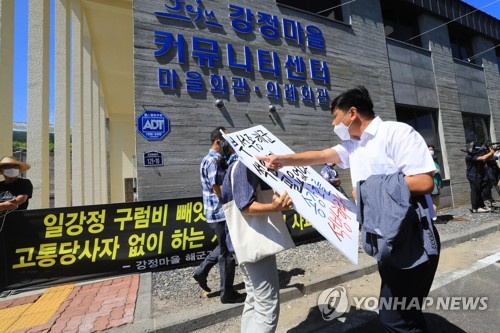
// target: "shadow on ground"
[[443, 219], [362, 321], [284, 278]]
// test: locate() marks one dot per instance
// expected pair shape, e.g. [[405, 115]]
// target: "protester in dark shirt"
[[490, 180], [476, 172], [14, 190]]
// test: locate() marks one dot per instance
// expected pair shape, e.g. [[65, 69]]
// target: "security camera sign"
[[153, 125], [328, 210]]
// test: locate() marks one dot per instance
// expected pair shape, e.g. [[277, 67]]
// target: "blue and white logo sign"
[[153, 158], [153, 125]]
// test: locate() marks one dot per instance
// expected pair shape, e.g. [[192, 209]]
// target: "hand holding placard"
[[328, 210]]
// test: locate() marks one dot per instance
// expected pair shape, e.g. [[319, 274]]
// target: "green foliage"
[[16, 145]]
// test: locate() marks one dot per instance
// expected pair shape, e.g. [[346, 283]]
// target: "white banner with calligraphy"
[[328, 210]]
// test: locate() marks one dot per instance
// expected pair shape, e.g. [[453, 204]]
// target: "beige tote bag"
[[255, 237]]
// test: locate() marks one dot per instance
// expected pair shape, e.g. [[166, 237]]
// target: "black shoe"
[[235, 298], [202, 281]]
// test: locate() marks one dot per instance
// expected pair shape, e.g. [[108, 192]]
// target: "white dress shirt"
[[385, 147]]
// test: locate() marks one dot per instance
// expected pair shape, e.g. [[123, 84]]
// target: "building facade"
[[151, 79], [425, 63]]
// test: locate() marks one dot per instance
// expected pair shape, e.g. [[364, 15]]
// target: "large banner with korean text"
[[49, 246], [328, 210]]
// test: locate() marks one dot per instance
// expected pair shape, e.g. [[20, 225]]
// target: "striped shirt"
[[211, 174]]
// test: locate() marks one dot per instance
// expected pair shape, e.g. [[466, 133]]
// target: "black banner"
[[48, 246]]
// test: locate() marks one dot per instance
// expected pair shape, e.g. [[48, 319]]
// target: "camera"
[[481, 148]]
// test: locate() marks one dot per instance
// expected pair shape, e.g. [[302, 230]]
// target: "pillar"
[[121, 149], [6, 75], [96, 134], [76, 104], [38, 101], [62, 147], [88, 147]]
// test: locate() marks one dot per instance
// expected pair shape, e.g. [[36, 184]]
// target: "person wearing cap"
[[475, 161], [15, 191]]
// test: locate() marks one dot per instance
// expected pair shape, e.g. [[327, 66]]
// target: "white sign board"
[[328, 210]]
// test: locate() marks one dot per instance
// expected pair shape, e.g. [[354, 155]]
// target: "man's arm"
[[19, 199], [420, 184], [486, 156], [11, 204], [217, 190], [306, 158], [336, 181]]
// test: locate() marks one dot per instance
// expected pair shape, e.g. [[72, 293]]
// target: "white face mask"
[[342, 130], [12, 173], [432, 152]]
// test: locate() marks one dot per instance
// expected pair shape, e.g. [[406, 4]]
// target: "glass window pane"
[[481, 131], [425, 126], [407, 117], [424, 122], [470, 134], [475, 128]]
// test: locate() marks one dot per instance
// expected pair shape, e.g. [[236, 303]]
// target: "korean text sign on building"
[[328, 210]]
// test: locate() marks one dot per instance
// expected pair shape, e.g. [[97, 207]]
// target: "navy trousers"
[[406, 283], [222, 256]]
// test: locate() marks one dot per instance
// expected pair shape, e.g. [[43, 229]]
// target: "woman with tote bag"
[[257, 232]]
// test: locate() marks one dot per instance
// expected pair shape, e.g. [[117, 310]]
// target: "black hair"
[[359, 97], [431, 146], [216, 134]]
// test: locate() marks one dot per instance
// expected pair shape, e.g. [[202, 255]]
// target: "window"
[[460, 42], [331, 9], [475, 127], [497, 51], [401, 22], [425, 123]]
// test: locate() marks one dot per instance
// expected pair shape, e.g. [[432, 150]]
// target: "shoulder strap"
[[232, 176]]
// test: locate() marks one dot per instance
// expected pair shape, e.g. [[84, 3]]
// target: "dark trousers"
[[222, 256], [398, 283], [476, 196], [488, 185]]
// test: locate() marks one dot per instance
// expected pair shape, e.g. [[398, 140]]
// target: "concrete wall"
[[412, 75]]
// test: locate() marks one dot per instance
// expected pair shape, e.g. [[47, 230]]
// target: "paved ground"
[[91, 307], [124, 304]]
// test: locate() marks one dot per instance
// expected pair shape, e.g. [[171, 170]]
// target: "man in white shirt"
[[371, 146]]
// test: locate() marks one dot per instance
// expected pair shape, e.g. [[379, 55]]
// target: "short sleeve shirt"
[[476, 170], [211, 174], [243, 192], [385, 147], [20, 187]]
